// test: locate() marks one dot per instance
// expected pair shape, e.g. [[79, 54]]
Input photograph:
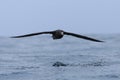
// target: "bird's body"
[[58, 34]]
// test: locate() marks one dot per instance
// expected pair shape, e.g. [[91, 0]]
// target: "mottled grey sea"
[[32, 58]]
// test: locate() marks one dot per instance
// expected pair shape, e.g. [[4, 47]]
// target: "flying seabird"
[[58, 34]]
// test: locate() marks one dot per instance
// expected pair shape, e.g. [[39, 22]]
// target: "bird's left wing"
[[83, 37], [32, 34]]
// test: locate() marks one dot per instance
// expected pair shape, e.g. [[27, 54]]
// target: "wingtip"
[[100, 41], [14, 37], [11, 37]]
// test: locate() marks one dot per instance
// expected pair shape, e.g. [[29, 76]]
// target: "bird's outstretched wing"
[[32, 34], [83, 37]]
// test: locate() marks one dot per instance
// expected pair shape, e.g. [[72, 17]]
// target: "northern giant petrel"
[[58, 34]]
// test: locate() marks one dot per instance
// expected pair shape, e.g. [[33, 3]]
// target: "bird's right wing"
[[83, 37], [32, 34]]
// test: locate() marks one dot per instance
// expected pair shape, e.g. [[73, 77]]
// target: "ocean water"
[[32, 58]]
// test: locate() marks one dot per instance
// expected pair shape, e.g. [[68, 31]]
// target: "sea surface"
[[32, 58]]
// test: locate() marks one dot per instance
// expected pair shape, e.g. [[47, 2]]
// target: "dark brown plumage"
[[58, 34]]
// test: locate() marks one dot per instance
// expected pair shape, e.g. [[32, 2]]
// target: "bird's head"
[[58, 34]]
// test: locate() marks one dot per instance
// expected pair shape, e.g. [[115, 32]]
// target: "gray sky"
[[80, 16]]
